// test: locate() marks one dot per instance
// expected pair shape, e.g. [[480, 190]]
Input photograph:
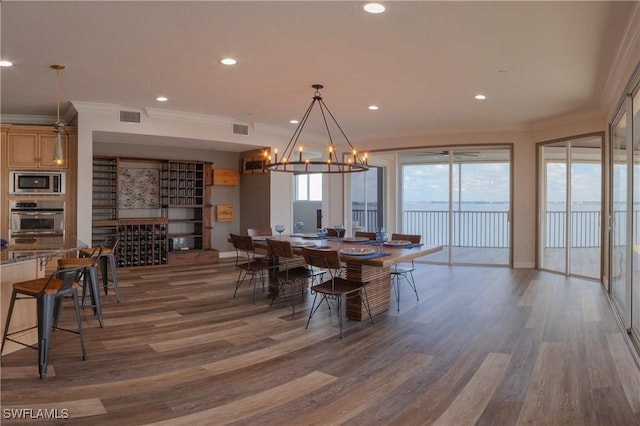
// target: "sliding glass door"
[[459, 199], [624, 258], [570, 217], [367, 206]]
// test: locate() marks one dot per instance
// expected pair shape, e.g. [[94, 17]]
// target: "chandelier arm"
[[288, 150], [323, 106], [342, 131]]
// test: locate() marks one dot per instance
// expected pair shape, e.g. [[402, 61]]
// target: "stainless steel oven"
[[30, 182], [36, 218]]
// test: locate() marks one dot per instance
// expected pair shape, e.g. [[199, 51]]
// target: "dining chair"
[[369, 235], [260, 232], [248, 264], [49, 293], [404, 270], [288, 275], [336, 288]]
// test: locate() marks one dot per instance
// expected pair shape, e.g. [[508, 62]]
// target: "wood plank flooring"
[[483, 346]]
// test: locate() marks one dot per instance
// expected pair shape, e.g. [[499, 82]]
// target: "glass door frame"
[[623, 311], [450, 151], [541, 172]]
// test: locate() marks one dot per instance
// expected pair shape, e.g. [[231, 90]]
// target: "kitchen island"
[[24, 259]]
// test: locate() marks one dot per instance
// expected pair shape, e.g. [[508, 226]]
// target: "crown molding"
[[616, 79], [566, 120], [34, 120]]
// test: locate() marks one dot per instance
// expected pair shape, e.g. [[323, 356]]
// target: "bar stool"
[[48, 293], [89, 266], [108, 255]]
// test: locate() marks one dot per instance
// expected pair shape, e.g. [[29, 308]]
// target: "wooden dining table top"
[[393, 254]]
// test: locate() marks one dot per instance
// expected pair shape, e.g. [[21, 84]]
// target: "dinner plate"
[[311, 236], [355, 239], [357, 251], [302, 244], [259, 238], [398, 243]]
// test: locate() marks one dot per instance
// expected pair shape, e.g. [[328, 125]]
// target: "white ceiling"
[[421, 62]]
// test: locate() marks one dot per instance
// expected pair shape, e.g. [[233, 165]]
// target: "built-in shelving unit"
[[105, 188], [183, 193], [182, 233]]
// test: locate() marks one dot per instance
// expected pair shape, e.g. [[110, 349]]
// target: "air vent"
[[129, 117], [241, 129]]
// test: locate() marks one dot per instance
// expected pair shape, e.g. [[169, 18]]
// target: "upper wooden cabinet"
[[30, 147], [225, 177]]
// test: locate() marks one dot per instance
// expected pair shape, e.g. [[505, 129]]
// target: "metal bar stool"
[[48, 293], [107, 256], [89, 277]]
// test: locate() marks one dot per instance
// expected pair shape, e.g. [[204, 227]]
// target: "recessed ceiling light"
[[162, 99], [293, 121], [373, 107], [6, 64], [373, 7], [228, 61], [480, 97]]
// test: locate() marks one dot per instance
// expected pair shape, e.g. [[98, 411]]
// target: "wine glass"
[[322, 233], [298, 226], [339, 231], [280, 229], [381, 237]]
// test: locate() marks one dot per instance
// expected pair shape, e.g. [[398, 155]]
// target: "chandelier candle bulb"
[[276, 152], [300, 150]]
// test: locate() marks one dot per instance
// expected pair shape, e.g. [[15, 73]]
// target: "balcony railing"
[[490, 229]]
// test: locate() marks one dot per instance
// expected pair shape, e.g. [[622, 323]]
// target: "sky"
[[483, 182]]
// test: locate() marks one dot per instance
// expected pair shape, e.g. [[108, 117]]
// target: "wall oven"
[[36, 218], [32, 182]]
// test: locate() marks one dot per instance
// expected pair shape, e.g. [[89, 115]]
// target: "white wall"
[[201, 130]]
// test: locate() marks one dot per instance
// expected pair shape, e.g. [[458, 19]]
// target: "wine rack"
[[143, 242], [182, 235], [183, 195], [105, 188]]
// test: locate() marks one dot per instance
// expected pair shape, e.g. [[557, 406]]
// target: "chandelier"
[[58, 158], [293, 160]]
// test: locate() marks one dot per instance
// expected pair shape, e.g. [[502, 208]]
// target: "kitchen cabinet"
[[32, 147]]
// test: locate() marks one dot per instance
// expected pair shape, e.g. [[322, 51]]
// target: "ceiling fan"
[[445, 154]]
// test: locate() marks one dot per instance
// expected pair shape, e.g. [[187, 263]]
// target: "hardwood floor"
[[486, 346]]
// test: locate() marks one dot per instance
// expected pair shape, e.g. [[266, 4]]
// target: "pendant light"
[[58, 157], [293, 161]]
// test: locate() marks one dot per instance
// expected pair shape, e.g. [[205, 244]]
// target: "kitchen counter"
[[23, 249]]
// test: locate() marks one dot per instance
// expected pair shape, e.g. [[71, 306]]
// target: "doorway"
[[570, 206], [459, 199]]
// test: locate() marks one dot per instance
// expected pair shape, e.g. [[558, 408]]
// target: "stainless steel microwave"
[[35, 182]]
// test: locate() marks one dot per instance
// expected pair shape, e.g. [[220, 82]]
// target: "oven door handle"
[[36, 232], [38, 213]]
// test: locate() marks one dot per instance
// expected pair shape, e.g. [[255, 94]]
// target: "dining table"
[[364, 260]]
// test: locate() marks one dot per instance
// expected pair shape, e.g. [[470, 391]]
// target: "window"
[[309, 187]]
